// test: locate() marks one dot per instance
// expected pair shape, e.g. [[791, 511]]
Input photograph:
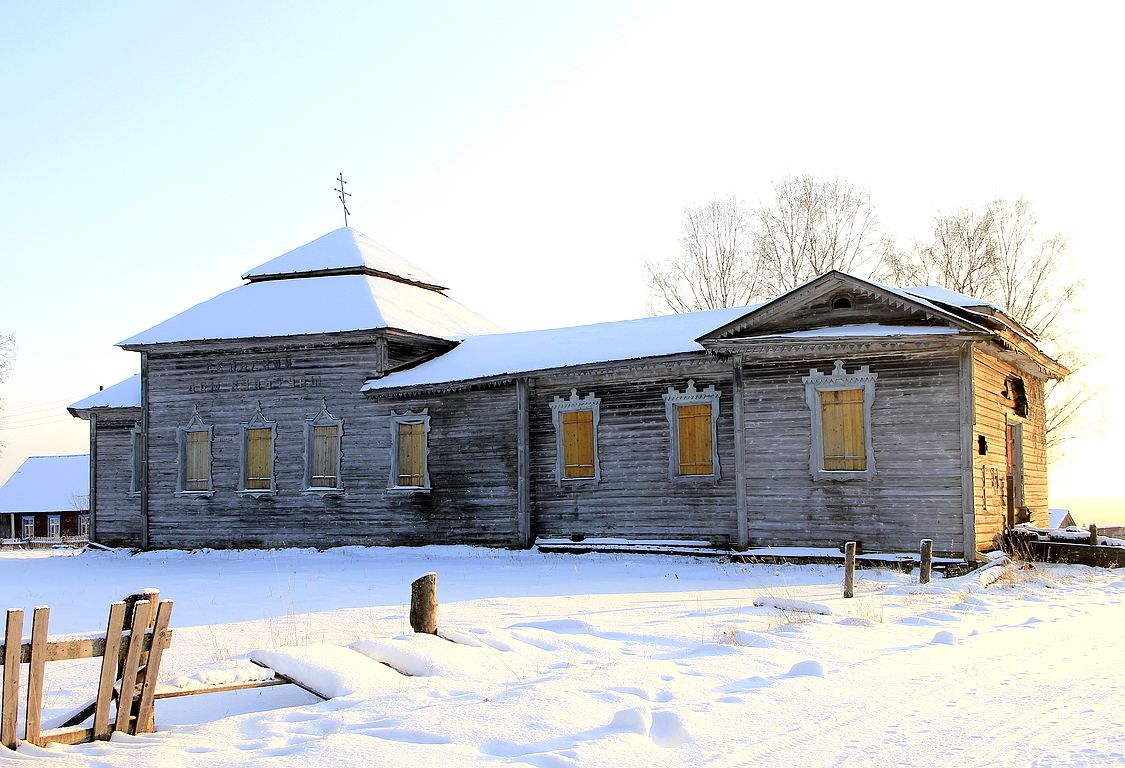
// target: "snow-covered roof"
[[123, 394], [862, 330], [508, 353], [48, 484], [344, 248], [318, 305], [946, 296]]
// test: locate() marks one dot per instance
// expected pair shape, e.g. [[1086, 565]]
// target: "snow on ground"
[[600, 660]]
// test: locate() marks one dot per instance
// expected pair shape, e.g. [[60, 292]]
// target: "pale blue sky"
[[531, 155]]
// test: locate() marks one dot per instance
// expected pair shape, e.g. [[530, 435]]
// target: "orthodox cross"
[[343, 196]]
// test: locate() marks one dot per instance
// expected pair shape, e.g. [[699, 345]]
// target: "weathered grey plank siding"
[[117, 517], [635, 498], [916, 489], [469, 445]]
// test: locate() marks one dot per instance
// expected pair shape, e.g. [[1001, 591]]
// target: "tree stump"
[[1093, 535], [423, 604]]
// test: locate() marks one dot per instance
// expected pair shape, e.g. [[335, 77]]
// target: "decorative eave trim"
[[749, 347]]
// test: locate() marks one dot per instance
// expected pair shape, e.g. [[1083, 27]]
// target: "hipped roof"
[[343, 281]]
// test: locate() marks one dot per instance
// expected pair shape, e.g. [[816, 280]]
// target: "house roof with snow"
[[123, 394], [48, 484], [343, 281]]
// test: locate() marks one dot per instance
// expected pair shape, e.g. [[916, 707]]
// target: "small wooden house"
[[340, 396], [46, 499]]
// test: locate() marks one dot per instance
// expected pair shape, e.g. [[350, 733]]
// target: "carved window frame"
[[136, 446], [84, 524], [195, 425], [673, 399], [410, 417], [839, 379], [257, 421], [27, 522], [561, 405], [324, 418], [54, 526]]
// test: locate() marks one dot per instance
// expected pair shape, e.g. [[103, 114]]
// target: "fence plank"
[[33, 720], [108, 674], [137, 632], [10, 687], [160, 641]]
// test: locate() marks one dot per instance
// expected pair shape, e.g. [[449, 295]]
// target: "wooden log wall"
[[635, 498], [992, 411], [117, 514], [472, 453], [916, 489]]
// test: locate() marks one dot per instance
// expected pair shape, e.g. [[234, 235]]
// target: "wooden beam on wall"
[[523, 464], [144, 450], [92, 499], [740, 456], [968, 425]]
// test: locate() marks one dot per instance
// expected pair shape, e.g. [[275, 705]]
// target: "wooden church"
[[340, 396]]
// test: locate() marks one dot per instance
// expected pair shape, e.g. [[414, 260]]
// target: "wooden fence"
[[136, 636]]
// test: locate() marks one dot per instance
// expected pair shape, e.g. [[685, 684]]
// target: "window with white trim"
[[256, 471], [84, 525], [323, 436], [576, 437], [840, 408], [54, 527], [195, 457], [410, 466], [693, 417], [27, 526]]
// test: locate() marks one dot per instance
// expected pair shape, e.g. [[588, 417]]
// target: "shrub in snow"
[[944, 637]]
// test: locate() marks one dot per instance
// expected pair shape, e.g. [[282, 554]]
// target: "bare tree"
[[994, 253], [7, 351], [813, 226], [714, 268]]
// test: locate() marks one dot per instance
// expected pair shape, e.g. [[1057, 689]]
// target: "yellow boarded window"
[[845, 444], [325, 456], [259, 458], [694, 422], [411, 455], [578, 443], [197, 461]]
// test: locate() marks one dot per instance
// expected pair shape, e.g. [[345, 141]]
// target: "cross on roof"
[[343, 195]]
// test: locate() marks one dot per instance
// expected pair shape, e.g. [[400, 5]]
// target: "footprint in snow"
[[668, 729]]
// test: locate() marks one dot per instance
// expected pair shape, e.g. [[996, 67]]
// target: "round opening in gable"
[[841, 302]]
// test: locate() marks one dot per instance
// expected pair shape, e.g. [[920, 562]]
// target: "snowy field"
[[601, 660]]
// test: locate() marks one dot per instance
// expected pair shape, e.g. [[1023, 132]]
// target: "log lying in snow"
[[787, 604]]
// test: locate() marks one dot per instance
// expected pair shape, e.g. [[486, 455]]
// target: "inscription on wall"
[[231, 382]]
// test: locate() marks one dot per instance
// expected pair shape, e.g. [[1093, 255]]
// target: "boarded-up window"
[[695, 448], [197, 461], [324, 456], [259, 458], [411, 455], [578, 443], [845, 444]]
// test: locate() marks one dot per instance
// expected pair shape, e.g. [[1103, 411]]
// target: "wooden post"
[[740, 504], [141, 614], [423, 604], [926, 561], [146, 721], [849, 569], [108, 675], [1093, 535], [33, 721], [10, 688]]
